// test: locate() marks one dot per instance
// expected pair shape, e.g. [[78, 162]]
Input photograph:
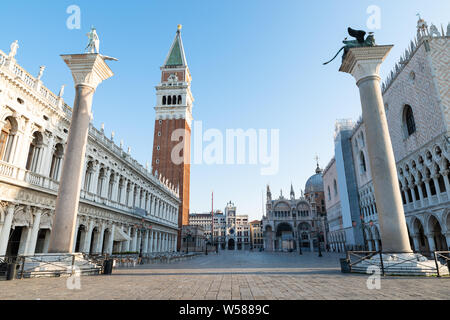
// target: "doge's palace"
[[123, 206]]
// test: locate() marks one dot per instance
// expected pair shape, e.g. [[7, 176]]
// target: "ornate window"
[[56, 161], [88, 176], [35, 152], [362, 162], [409, 122], [7, 137]]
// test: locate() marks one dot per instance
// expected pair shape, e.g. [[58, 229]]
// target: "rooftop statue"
[[14, 47], [360, 41]]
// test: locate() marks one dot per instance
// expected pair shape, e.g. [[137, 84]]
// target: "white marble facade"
[[123, 207]]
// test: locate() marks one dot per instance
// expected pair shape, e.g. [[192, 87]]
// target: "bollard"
[[11, 271], [107, 266], [345, 266]]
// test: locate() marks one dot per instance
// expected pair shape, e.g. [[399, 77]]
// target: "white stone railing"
[[7, 170], [31, 82], [34, 178]]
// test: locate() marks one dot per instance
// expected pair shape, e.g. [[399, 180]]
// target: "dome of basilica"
[[315, 183]]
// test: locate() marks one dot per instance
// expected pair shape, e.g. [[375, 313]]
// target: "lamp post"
[[317, 220], [187, 237]]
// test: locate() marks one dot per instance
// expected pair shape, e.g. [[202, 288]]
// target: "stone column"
[[413, 194], [145, 246], [139, 241], [151, 241], [416, 243], [420, 194], [364, 64], [447, 183], [88, 71], [46, 241], [87, 239], [111, 239], [101, 238], [4, 237], [431, 244], [428, 188], [75, 235], [160, 242], [34, 232], [437, 188]]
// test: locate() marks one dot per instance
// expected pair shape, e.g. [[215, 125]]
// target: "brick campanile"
[[172, 139]]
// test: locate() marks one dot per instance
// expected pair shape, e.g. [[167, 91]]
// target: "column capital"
[[363, 62], [88, 69]]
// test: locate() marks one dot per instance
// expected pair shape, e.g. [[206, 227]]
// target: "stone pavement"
[[232, 275]]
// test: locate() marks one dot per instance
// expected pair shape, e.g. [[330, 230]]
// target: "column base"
[[57, 265], [413, 264]]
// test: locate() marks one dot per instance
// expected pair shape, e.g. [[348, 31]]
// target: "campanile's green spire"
[[176, 56]]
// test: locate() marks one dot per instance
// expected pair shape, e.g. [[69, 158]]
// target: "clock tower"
[[172, 137]]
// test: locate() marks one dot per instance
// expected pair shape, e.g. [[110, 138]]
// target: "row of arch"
[[430, 180], [172, 100], [285, 238], [108, 184], [35, 155]]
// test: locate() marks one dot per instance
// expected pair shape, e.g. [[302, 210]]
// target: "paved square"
[[233, 275]]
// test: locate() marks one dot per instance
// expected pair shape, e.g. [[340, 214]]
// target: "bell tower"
[[172, 137]]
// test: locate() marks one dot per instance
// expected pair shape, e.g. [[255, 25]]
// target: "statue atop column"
[[361, 41], [94, 42]]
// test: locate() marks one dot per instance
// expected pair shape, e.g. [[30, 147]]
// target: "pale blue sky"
[[255, 64]]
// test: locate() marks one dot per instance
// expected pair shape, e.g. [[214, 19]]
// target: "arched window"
[[88, 176], [56, 162], [329, 193], [7, 137], [335, 187], [127, 199], [169, 100], [164, 100], [119, 190], [362, 162], [174, 99], [408, 120], [179, 99], [111, 185], [101, 180], [35, 152]]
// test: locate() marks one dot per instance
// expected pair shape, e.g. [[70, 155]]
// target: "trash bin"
[[11, 271], [345, 266], [108, 266]]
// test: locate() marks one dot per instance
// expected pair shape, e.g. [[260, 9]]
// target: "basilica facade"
[[123, 206], [296, 223]]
